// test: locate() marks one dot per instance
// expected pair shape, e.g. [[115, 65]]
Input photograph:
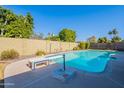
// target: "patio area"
[[112, 77]]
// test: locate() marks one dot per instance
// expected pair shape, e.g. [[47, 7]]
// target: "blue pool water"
[[87, 60]]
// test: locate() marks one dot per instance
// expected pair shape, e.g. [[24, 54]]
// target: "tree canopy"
[[13, 25], [115, 38], [67, 35], [102, 40]]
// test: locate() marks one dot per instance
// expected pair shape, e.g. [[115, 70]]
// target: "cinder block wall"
[[113, 46], [31, 46]]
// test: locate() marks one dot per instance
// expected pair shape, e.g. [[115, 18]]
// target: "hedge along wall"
[[112, 46], [31, 46]]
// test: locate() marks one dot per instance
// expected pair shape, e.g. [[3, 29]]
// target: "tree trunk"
[[2, 31]]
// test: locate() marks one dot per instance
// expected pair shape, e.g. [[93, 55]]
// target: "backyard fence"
[[112, 46], [31, 46]]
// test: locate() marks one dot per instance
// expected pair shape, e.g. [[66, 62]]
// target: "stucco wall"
[[30, 46]]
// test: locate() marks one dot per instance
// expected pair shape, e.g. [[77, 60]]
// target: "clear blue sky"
[[85, 20]]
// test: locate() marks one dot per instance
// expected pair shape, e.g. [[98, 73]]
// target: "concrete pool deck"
[[112, 77]]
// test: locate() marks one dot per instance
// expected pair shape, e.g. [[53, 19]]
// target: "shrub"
[[53, 38], [76, 48], [9, 54], [40, 53], [81, 45], [87, 45]]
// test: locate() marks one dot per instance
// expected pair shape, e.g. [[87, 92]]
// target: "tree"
[[29, 20], [19, 28], [67, 35], [110, 33], [92, 39], [6, 17], [115, 32], [116, 39], [102, 40], [12, 25]]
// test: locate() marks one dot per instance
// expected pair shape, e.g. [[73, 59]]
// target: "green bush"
[[87, 45], [9, 54], [82, 45], [53, 38], [76, 48], [40, 53]]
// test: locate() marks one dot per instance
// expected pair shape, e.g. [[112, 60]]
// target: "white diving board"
[[43, 60]]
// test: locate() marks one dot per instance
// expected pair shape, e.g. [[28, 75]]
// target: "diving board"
[[43, 60]]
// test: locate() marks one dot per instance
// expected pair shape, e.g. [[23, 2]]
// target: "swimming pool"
[[87, 60]]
